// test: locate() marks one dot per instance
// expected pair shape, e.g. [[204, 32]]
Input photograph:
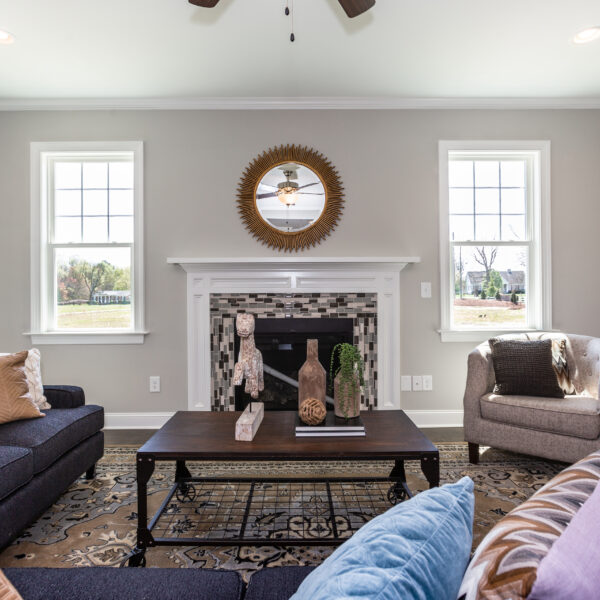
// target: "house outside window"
[[494, 238], [87, 242]]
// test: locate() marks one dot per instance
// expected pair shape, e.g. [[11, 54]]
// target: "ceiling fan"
[[353, 8], [288, 190]]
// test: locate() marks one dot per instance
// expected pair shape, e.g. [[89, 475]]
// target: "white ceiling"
[[407, 48]]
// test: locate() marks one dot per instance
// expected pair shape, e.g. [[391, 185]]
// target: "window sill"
[[479, 335], [86, 337]]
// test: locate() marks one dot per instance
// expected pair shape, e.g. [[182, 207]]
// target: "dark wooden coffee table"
[[187, 436]]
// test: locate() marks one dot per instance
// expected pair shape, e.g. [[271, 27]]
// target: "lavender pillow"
[[571, 569]]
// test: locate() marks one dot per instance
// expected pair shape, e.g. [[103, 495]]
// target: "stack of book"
[[332, 426]]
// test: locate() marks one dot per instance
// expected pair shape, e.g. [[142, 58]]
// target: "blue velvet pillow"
[[418, 549]]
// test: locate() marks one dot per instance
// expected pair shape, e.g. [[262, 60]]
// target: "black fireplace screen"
[[283, 346]]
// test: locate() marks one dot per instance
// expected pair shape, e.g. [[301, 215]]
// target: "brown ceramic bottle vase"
[[346, 404], [312, 375]]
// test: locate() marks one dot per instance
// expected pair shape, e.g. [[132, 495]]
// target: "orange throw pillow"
[[7, 590], [15, 400]]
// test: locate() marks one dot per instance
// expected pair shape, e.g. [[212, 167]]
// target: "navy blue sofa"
[[40, 458], [102, 583]]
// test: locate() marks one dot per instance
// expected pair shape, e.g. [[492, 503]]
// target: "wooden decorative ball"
[[312, 411]]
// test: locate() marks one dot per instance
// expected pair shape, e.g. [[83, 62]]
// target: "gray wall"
[[388, 163]]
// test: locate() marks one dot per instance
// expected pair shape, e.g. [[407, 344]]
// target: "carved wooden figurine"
[[250, 363]]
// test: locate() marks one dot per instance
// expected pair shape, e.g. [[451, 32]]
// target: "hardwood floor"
[[137, 437]]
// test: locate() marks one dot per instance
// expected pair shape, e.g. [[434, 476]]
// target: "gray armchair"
[[560, 429]]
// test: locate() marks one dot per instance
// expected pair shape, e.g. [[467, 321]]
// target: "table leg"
[[399, 490], [144, 470], [430, 465]]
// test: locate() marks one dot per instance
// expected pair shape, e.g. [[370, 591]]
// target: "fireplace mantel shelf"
[[266, 263]]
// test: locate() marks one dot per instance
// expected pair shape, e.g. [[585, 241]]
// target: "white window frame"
[[42, 267], [539, 291]]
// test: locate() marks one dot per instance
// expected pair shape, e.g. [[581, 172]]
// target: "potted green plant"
[[346, 380]]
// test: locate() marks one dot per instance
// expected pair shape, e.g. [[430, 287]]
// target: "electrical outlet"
[[155, 383], [425, 289], [406, 383], [417, 383], [427, 383]]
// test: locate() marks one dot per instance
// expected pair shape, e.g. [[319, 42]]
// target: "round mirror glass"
[[290, 197]]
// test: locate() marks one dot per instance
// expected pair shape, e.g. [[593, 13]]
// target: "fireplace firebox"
[[283, 346]]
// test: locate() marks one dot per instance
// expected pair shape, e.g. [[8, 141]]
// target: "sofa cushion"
[[16, 468], [276, 583], [51, 437], [417, 549], [101, 583], [577, 416], [506, 561]]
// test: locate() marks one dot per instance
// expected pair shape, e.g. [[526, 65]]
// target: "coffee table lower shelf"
[[260, 511]]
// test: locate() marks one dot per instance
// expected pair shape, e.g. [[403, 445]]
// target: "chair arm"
[[64, 396], [480, 380]]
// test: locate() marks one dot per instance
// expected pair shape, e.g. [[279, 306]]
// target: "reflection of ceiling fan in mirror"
[[353, 8], [288, 191]]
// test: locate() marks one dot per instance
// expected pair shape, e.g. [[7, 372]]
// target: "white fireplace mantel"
[[283, 275]]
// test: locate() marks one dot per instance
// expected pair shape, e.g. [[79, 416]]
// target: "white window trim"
[[40, 334], [540, 266]]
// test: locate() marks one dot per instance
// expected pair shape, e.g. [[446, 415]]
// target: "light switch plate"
[[427, 383], [417, 383], [425, 289], [406, 383]]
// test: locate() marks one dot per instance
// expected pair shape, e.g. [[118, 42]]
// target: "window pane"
[[461, 228], [513, 201], [487, 173], [95, 202], [67, 202], [513, 227], [513, 173], [95, 229], [487, 201], [121, 202], [487, 227], [121, 175], [67, 229], [93, 288], [95, 175], [121, 229], [67, 175], [460, 173], [490, 290]]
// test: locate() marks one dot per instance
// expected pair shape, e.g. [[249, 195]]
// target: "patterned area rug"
[[94, 522]]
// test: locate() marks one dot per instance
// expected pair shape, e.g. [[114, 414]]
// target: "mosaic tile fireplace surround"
[[360, 307]]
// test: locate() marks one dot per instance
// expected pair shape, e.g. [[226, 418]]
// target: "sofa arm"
[[64, 396], [480, 381]]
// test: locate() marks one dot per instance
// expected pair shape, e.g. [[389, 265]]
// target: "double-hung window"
[[494, 238], [87, 247]]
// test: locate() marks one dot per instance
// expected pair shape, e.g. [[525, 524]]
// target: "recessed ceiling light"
[[587, 35], [6, 38]]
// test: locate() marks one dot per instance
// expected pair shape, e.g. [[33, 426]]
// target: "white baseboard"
[[436, 418], [136, 420], [142, 420]]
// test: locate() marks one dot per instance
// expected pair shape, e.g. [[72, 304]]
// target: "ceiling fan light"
[[289, 198], [587, 35], [6, 37]]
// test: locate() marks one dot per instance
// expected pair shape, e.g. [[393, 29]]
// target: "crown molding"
[[300, 103]]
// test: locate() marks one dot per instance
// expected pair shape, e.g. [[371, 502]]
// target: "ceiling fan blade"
[[308, 185], [354, 8], [261, 196], [204, 3]]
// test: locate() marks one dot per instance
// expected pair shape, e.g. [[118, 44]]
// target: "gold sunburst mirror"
[[290, 197]]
